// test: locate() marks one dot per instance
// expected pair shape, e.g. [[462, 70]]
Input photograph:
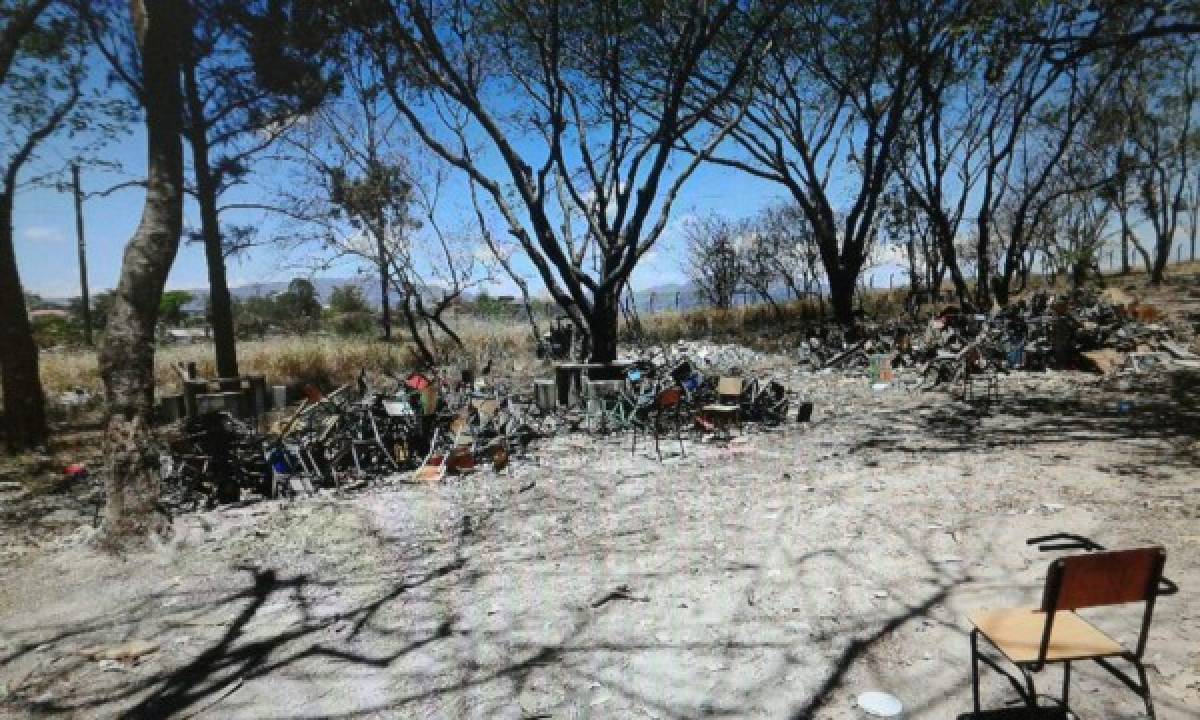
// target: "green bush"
[[351, 323], [54, 331]]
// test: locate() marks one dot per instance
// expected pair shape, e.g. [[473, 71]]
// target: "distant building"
[[49, 313], [186, 334]]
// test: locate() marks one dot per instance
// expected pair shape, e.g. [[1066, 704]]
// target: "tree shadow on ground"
[[242, 652], [584, 649], [1159, 423]]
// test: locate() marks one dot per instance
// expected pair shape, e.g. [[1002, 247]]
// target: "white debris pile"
[[716, 356]]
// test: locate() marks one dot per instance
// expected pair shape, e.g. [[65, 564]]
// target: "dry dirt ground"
[[775, 577]]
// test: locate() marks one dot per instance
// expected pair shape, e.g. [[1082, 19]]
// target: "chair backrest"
[[729, 387], [487, 410], [668, 398], [1103, 578]]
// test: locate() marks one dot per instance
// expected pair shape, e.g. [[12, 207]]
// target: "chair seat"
[[1017, 632], [721, 408]]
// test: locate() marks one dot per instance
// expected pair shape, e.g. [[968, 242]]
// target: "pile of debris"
[[415, 427], [713, 357], [1081, 330], [425, 426]]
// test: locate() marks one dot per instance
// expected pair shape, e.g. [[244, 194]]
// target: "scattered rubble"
[[1078, 331], [425, 427]]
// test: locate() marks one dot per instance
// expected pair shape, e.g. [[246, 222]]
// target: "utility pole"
[[83, 282]]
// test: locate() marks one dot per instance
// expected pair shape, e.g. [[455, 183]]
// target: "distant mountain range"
[[323, 286], [672, 296]]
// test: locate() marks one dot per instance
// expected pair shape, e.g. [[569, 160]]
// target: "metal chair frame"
[[730, 391], [1059, 583], [666, 401]]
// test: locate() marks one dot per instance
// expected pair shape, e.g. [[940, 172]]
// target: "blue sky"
[[44, 231], [44, 226]]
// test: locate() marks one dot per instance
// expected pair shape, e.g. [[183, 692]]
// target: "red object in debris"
[[76, 470], [417, 381], [313, 393]]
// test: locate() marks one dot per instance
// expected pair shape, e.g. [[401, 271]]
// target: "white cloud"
[[42, 234]]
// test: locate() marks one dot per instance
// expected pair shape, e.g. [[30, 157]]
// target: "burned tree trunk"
[[945, 241], [24, 404], [127, 356], [603, 328], [384, 305], [841, 296], [220, 304]]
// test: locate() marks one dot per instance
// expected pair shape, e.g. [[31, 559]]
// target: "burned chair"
[[1054, 633], [610, 407], [766, 402], [727, 410], [976, 370], [214, 458], [649, 414]]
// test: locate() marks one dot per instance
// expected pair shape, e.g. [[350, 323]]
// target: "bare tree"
[[1193, 206], [367, 179], [371, 201], [567, 115], [435, 273], [831, 103], [1078, 229], [993, 118], [906, 223], [713, 261], [127, 354], [249, 73], [1121, 26], [760, 266], [1160, 100], [941, 156], [503, 254], [787, 245]]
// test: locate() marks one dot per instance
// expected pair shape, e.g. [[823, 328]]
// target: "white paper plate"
[[880, 704]]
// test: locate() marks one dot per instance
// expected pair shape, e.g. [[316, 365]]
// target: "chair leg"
[[975, 670], [679, 431], [1031, 700], [657, 430], [1066, 691], [1145, 690]]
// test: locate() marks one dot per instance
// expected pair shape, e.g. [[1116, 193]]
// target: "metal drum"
[[545, 394]]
